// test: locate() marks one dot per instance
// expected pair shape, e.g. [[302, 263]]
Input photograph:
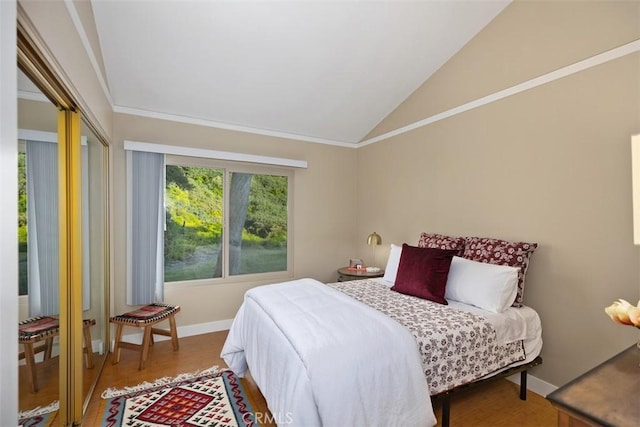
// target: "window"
[[224, 220], [38, 225], [22, 223]]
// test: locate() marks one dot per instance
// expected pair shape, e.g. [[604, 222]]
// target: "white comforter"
[[321, 358]]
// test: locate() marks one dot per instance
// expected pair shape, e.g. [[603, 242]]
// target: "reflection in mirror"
[[37, 121], [94, 266], [38, 246]]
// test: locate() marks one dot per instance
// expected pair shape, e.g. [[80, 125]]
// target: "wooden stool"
[[45, 328], [145, 317]]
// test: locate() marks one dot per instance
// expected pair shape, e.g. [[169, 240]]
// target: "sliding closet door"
[[83, 243], [38, 234]]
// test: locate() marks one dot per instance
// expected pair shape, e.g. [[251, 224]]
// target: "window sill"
[[245, 279]]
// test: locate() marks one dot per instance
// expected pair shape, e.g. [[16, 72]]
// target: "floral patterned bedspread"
[[456, 347]]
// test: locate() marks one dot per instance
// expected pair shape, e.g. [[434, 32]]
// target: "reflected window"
[[23, 284]]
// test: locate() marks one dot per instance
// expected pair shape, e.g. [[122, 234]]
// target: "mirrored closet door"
[[63, 247], [37, 240], [95, 271]]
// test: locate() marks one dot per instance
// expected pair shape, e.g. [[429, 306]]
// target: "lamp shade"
[[374, 239]]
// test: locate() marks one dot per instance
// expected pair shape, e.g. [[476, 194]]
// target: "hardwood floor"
[[498, 404], [494, 404], [49, 385]]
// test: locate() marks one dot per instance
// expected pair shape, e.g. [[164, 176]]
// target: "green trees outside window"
[[22, 224], [194, 232]]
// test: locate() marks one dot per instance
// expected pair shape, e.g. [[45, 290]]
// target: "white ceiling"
[[318, 70]]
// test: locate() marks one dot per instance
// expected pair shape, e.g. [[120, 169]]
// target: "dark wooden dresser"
[[607, 395]]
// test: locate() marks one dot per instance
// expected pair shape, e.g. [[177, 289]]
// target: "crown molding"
[[32, 96], [577, 67], [228, 126]]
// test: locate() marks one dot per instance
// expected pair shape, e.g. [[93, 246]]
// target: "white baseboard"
[[534, 384], [183, 331], [204, 328], [97, 346]]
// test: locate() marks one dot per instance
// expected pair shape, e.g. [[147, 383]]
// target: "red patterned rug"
[[208, 398], [38, 417]]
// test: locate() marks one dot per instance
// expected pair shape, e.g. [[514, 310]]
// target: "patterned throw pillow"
[[496, 251], [440, 241]]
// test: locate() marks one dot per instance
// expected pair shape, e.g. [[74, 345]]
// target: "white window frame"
[[228, 168]]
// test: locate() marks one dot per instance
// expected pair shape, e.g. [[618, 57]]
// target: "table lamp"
[[374, 240]]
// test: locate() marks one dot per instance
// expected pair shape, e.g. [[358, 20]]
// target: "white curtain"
[[145, 227], [43, 226], [86, 233]]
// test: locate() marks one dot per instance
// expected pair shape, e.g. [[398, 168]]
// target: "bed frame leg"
[[523, 385], [445, 412]]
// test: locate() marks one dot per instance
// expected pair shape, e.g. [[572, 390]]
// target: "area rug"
[[206, 398], [39, 417]]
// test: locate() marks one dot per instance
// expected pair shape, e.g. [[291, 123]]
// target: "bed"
[[365, 353]]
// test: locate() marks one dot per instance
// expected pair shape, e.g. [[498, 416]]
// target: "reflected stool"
[[145, 317], [45, 328]]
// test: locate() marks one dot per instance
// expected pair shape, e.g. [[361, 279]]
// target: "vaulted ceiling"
[[314, 70]]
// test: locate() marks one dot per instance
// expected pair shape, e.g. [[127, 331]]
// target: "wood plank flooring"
[[495, 404], [49, 384]]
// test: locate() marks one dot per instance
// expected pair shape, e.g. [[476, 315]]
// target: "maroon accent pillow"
[[423, 272], [502, 252], [440, 241]]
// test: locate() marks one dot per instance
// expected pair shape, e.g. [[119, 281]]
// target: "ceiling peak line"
[[615, 53]]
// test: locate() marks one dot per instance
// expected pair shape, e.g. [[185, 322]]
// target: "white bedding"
[[321, 358], [514, 324]]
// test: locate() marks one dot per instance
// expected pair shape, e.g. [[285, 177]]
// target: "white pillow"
[[392, 264], [488, 286]]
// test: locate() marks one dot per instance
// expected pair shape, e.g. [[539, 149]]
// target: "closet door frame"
[[70, 279], [38, 65]]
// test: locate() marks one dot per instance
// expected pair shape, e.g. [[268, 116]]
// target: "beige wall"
[[324, 209], [550, 165], [37, 115], [526, 40]]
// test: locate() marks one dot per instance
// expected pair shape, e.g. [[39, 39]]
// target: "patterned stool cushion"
[[148, 314], [36, 328]]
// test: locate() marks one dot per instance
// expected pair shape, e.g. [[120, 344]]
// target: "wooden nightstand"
[[607, 395], [345, 274]]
